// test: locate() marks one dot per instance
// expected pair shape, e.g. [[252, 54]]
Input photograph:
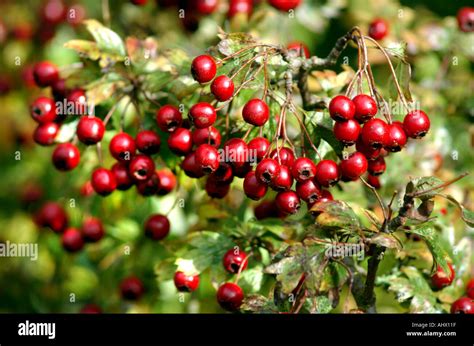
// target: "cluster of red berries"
[[463, 305]]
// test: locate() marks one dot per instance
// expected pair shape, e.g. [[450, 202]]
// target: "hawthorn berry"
[[76, 14], [254, 188], [72, 240], [121, 175], [148, 142], [242, 171], [327, 173], [66, 157], [341, 108], [166, 181], [90, 130], [308, 191], [266, 209], [303, 169], [441, 279], [190, 167], [354, 166], [365, 107], [235, 259], [374, 133], [46, 133], [79, 100], [397, 137], [284, 5], [214, 189], [235, 152], [202, 115], [377, 166], [256, 112], [185, 283], [224, 173], [347, 131], [258, 147], [464, 305], [374, 181], [209, 135], [86, 189], [59, 89], [222, 88], [53, 12], [369, 152], [141, 168], [416, 124], [300, 48], [207, 158], [157, 227], [180, 141], [103, 181], [288, 202], [205, 6], [378, 29], [284, 156], [230, 296], [148, 187], [131, 288], [43, 110], [267, 170], [45, 73], [465, 19], [326, 196], [283, 181], [52, 215], [168, 118], [236, 7], [122, 147], [92, 230], [203, 68], [91, 309]]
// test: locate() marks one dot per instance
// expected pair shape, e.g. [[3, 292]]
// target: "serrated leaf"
[[107, 40], [403, 73], [335, 214], [251, 279]]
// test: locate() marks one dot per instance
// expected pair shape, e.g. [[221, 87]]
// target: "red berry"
[[43, 110], [87, 189], [72, 240], [45, 133], [122, 147], [416, 124], [141, 168], [396, 137], [341, 108], [256, 112], [242, 171], [230, 296], [139, 2], [90, 130], [45, 73], [205, 6], [266, 209], [441, 279], [215, 189], [365, 108], [186, 283], [148, 142], [66, 157], [234, 259], [203, 68], [375, 133], [374, 181], [103, 181], [157, 227], [284, 156], [180, 141], [148, 187], [76, 14], [236, 152], [207, 158], [53, 12], [287, 202], [240, 7], [258, 147], [354, 166], [52, 215], [91, 309], [303, 169], [121, 175], [166, 181], [284, 5], [326, 196], [202, 115], [470, 289], [131, 288], [224, 174], [190, 167], [308, 191], [377, 166], [378, 29], [222, 88], [267, 170], [299, 47], [168, 118], [327, 173], [347, 131], [369, 152], [465, 19], [253, 188], [92, 230], [283, 181], [59, 89], [78, 99], [464, 305], [209, 135]]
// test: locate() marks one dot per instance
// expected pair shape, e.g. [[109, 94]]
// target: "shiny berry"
[[148, 187], [103, 181], [72, 240], [378, 29], [224, 173], [326, 196], [59, 89], [121, 175], [43, 110], [52, 215], [284, 156], [354, 166], [141, 168], [186, 283], [374, 133], [284, 5], [257, 148], [205, 6], [464, 305], [266, 209], [131, 288], [90, 130], [180, 141], [300, 48], [166, 181], [92, 230], [79, 100], [157, 227], [230, 296], [369, 152], [209, 135], [341, 108], [46, 133], [243, 7], [365, 108], [347, 131], [253, 188], [242, 171], [374, 181], [45, 73], [256, 112], [465, 19], [222, 88], [202, 115], [303, 169], [235, 152], [308, 191], [397, 137], [190, 167], [441, 279], [327, 173], [214, 189], [122, 147], [234, 260], [288, 202], [377, 166], [207, 158], [148, 142], [267, 170], [168, 118], [283, 181], [66, 157], [203, 68], [416, 124]]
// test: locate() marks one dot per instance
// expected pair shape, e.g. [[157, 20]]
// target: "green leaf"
[[66, 132], [87, 49], [258, 304], [466, 214], [251, 280], [323, 305], [107, 40], [335, 214], [231, 43], [386, 240], [419, 185]]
